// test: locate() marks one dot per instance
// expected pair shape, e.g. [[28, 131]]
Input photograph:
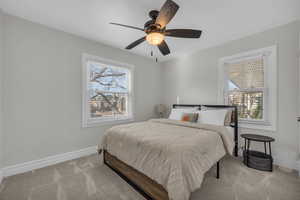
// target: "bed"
[[166, 159]]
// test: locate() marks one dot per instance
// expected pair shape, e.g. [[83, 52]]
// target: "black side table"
[[256, 159]]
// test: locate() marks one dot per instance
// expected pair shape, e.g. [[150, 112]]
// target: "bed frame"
[[147, 187]]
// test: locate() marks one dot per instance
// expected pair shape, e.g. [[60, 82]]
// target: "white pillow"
[[228, 117], [177, 113], [215, 117]]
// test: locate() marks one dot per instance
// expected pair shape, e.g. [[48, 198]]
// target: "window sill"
[[260, 125], [107, 122]]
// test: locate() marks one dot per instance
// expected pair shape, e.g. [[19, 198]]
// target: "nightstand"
[[256, 159]]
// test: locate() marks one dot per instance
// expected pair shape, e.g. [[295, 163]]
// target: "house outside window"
[[107, 91], [249, 81]]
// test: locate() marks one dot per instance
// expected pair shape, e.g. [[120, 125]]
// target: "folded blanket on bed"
[[173, 153]]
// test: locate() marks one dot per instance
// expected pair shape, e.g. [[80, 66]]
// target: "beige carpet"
[[87, 179]]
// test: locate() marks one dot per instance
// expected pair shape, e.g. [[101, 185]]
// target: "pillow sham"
[[189, 117], [215, 117], [176, 113], [229, 115]]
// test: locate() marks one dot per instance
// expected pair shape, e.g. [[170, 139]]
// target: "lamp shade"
[[160, 109]]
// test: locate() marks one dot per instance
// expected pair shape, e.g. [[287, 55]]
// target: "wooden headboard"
[[233, 124]]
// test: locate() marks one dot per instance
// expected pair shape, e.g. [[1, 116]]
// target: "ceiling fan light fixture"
[[155, 38]]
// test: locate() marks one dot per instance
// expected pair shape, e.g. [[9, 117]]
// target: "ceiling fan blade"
[[135, 43], [183, 33], [163, 47], [127, 26], [166, 13]]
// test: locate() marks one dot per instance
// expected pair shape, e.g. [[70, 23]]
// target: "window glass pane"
[[107, 78], [108, 105], [250, 104], [108, 90], [246, 74]]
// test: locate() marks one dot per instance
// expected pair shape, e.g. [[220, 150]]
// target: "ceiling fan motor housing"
[[153, 28], [150, 26], [149, 23]]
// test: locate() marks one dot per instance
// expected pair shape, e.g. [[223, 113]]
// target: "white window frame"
[[269, 54], [87, 121]]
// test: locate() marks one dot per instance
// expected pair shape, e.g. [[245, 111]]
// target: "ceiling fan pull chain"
[[152, 54]]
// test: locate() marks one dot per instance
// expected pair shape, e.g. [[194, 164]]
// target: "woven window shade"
[[247, 74]]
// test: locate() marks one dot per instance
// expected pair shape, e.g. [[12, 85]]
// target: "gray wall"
[[194, 78], [1, 92], [43, 90]]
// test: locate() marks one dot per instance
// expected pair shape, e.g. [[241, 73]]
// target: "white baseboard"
[[51, 160]]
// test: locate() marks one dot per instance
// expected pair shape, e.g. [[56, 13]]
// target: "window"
[[246, 88], [248, 80], [107, 90]]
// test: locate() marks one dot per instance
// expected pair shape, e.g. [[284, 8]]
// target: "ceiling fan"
[[156, 31]]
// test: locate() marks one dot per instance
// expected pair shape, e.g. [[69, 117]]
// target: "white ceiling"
[[220, 20]]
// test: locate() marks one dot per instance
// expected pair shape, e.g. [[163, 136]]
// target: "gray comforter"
[[173, 153]]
